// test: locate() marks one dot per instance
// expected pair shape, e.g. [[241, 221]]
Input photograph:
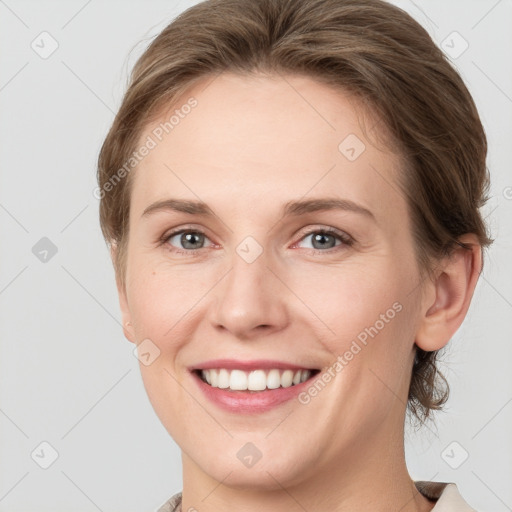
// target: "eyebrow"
[[291, 208]]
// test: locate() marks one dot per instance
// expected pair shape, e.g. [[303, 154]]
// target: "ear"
[[448, 297], [123, 301]]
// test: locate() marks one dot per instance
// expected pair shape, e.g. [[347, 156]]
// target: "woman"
[[291, 193]]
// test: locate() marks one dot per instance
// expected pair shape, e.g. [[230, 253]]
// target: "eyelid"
[[184, 227], [325, 229]]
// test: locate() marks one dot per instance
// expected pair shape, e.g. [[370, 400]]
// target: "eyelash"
[[347, 241]]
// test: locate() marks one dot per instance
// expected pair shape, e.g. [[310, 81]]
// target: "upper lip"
[[255, 364]]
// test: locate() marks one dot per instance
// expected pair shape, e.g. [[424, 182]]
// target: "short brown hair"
[[369, 48]]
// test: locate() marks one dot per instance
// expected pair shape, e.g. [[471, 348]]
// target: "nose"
[[251, 300]]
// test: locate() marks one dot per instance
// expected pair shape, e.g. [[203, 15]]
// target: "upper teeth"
[[256, 380]]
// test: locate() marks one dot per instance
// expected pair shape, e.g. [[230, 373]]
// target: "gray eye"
[[320, 240], [188, 240]]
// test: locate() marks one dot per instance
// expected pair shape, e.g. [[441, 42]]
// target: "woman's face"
[[251, 287]]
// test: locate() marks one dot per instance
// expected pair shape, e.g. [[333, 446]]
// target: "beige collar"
[[445, 494]]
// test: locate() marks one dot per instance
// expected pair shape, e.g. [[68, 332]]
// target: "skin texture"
[[250, 145]]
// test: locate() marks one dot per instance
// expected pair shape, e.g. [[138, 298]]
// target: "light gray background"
[[67, 375]]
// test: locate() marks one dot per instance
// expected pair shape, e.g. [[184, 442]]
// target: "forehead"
[[245, 140]]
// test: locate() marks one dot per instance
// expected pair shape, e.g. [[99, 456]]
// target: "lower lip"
[[249, 402]]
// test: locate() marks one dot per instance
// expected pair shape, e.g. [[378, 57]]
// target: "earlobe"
[[125, 313], [452, 291], [128, 332], [123, 301]]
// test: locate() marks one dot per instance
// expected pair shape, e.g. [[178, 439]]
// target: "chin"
[[267, 474]]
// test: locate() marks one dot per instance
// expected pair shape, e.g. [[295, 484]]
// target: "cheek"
[[367, 313], [349, 298], [162, 307], [161, 298], [353, 300]]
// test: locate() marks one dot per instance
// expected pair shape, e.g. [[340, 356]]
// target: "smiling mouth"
[[255, 380]]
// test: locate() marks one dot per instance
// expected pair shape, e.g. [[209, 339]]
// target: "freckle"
[[154, 273]]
